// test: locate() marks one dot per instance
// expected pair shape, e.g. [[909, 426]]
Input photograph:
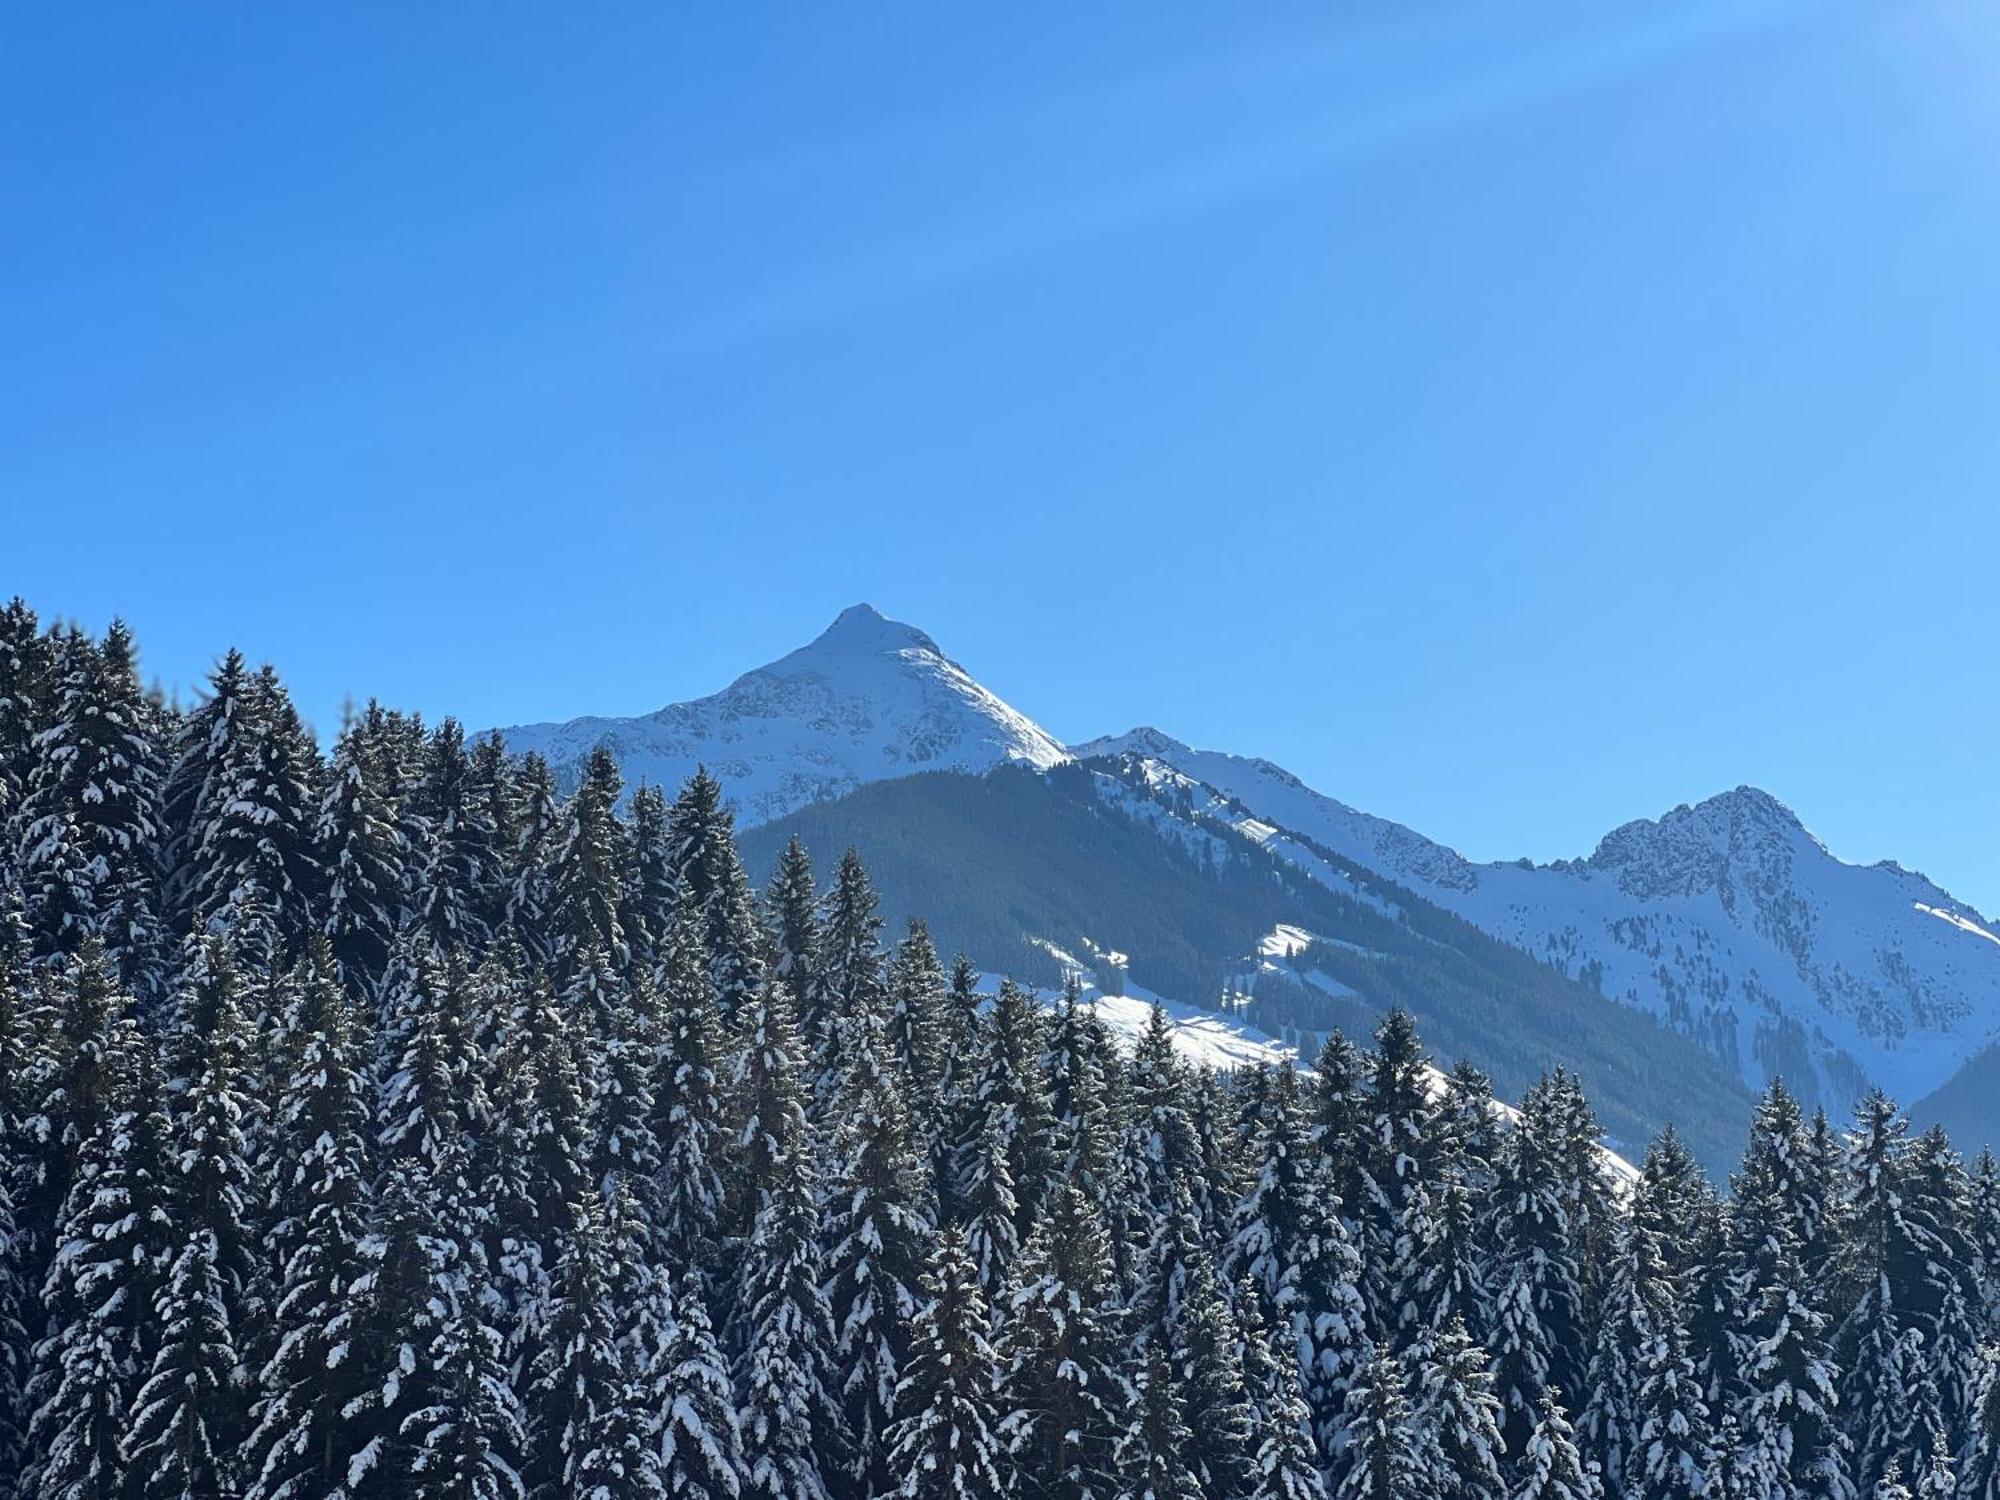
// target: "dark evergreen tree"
[[690, 1103], [1396, 1145], [1539, 1314], [539, 835], [711, 883], [701, 1445], [1208, 1358], [112, 1241], [1456, 1416], [1069, 1404], [1551, 1467], [364, 854], [1291, 1244], [460, 857], [1009, 1116], [878, 1239], [851, 958], [1151, 1456], [90, 833], [467, 1444], [300, 1443], [793, 904], [1381, 1460], [945, 1442], [650, 879], [584, 886], [588, 1432], [791, 1420]]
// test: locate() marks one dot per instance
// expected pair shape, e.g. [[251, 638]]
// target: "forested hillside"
[[1087, 857], [382, 1124]]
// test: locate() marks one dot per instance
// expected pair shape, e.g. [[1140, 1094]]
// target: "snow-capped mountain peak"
[[1727, 919], [868, 698]]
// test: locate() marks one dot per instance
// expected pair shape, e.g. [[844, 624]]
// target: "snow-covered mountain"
[[1728, 920], [869, 699]]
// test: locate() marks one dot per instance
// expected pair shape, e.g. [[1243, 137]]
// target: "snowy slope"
[[869, 699], [1728, 920], [1209, 1040]]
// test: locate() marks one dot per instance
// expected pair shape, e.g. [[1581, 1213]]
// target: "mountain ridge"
[[1726, 919]]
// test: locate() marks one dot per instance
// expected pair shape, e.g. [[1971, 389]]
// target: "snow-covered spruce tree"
[[1009, 1115], [711, 883], [1787, 1396], [1286, 1464], [14, 1349], [1538, 1313], [852, 963], [432, 1095], [1163, 1134], [173, 1449], [1672, 1197], [1397, 1147], [460, 858], [1151, 1454], [1289, 1240], [409, 1286], [1157, 1307], [945, 1442], [1590, 1197], [584, 889], [1451, 1217], [1551, 1467], [1382, 1459], [792, 904], [530, 902], [989, 1206], [299, 1441], [91, 814], [791, 1421], [1979, 1448], [364, 855], [1884, 1268], [916, 1038], [691, 1118], [63, 1093], [1455, 1415], [624, 1108], [27, 670], [589, 1431], [1673, 1454], [1068, 1403], [1636, 1314], [1208, 1361], [537, 1165], [650, 877], [467, 1444], [257, 844], [192, 789], [111, 1245], [1950, 1308], [701, 1443], [217, 1194], [1087, 1126], [878, 1238]]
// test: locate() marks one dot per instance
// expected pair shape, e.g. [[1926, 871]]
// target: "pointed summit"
[[867, 699], [863, 627]]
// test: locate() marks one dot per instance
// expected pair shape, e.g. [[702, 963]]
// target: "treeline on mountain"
[[385, 1125], [988, 860]]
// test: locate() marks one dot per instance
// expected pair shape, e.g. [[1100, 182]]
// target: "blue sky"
[[1514, 418]]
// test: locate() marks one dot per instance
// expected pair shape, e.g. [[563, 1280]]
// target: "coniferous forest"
[[377, 1121]]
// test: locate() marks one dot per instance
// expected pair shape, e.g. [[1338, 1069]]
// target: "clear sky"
[[1514, 417]]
